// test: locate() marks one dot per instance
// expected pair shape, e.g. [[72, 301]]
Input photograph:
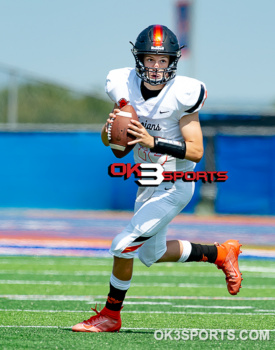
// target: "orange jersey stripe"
[[131, 249]]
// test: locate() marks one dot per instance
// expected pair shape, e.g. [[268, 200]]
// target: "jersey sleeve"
[[116, 85], [191, 95]]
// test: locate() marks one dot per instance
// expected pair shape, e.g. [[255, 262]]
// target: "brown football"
[[117, 132]]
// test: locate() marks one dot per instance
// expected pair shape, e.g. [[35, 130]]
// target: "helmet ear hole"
[[141, 58], [172, 59]]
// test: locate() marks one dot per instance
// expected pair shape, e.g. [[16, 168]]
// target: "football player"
[[168, 132]]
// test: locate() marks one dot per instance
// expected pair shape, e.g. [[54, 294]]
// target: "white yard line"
[[137, 273], [47, 311], [199, 313], [189, 306], [93, 300], [8, 326], [91, 261], [161, 285], [137, 329], [216, 307], [88, 261], [145, 312], [134, 297], [257, 268], [179, 306], [264, 310], [145, 303]]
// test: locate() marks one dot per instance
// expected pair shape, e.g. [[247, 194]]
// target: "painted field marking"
[[109, 262], [264, 310], [64, 298], [145, 312], [200, 313], [134, 297], [181, 306], [137, 329], [162, 285], [248, 268], [13, 326], [215, 307], [188, 306], [137, 273], [85, 262]]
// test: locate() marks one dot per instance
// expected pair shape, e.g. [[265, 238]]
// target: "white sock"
[[122, 285], [186, 251]]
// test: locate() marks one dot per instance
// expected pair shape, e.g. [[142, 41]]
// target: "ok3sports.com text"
[[154, 174], [212, 334]]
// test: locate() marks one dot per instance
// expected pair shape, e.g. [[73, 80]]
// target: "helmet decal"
[[157, 35]]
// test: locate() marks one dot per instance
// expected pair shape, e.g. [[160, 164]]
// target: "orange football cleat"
[[101, 322], [227, 260]]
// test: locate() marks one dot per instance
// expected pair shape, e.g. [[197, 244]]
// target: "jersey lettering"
[[151, 126], [151, 157]]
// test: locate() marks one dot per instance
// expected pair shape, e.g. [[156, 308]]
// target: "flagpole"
[[185, 10], [192, 46]]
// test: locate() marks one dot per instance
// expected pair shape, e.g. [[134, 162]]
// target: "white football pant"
[[155, 207]]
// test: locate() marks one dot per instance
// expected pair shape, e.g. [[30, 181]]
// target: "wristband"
[[175, 149]]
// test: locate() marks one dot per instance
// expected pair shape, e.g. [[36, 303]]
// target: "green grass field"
[[42, 297]]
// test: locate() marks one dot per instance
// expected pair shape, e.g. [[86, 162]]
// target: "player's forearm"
[[194, 151]]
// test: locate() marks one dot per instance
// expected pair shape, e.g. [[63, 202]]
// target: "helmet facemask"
[[162, 75]]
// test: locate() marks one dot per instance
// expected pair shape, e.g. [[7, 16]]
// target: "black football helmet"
[[157, 40]]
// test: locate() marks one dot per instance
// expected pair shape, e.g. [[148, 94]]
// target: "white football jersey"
[[160, 115]]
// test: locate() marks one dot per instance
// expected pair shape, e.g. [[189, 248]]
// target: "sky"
[[76, 43]]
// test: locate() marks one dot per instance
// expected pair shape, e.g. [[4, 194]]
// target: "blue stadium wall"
[[250, 162], [70, 171]]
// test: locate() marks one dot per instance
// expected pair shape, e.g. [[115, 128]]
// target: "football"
[[117, 131]]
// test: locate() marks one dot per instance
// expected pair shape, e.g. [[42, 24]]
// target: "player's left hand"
[[136, 129], [111, 118]]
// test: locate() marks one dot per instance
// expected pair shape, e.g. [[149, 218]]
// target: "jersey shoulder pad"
[[116, 84], [190, 93]]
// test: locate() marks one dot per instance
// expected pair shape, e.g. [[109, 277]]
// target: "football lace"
[[109, 130]]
